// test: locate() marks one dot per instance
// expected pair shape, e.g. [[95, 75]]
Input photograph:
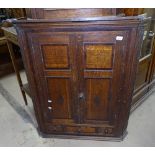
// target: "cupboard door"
[[55, 71], [102, 72]]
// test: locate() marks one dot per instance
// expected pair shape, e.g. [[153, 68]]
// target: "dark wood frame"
[[46, 13], [134, 24]]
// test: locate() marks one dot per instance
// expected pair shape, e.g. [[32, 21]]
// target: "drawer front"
[[80, 130]]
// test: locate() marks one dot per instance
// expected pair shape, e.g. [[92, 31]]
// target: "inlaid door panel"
[[54, 58], [98, 56], [103, 58]]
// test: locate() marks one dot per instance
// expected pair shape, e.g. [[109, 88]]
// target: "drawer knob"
[[119, 37], [50, 108], [49, 101]]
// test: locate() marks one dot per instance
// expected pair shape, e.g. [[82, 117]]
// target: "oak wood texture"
[[130, 11], [89, 92], [55, 56], [95, 54], [49, 13]]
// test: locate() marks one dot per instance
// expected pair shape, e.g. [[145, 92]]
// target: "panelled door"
[[55, 66], [79, 78], [102, 71]]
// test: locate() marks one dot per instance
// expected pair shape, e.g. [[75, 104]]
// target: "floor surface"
[[18, 124]]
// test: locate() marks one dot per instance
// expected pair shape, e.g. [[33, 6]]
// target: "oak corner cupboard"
[[81, 73]]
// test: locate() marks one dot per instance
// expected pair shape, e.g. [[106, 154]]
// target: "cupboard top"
[[105, 20]]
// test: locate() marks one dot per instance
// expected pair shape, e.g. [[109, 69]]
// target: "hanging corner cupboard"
[[81, 73]]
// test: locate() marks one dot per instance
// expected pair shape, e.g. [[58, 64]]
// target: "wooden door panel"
[[103, 58], [97, 93], [98, 56], [59, 93], [54, 56]]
